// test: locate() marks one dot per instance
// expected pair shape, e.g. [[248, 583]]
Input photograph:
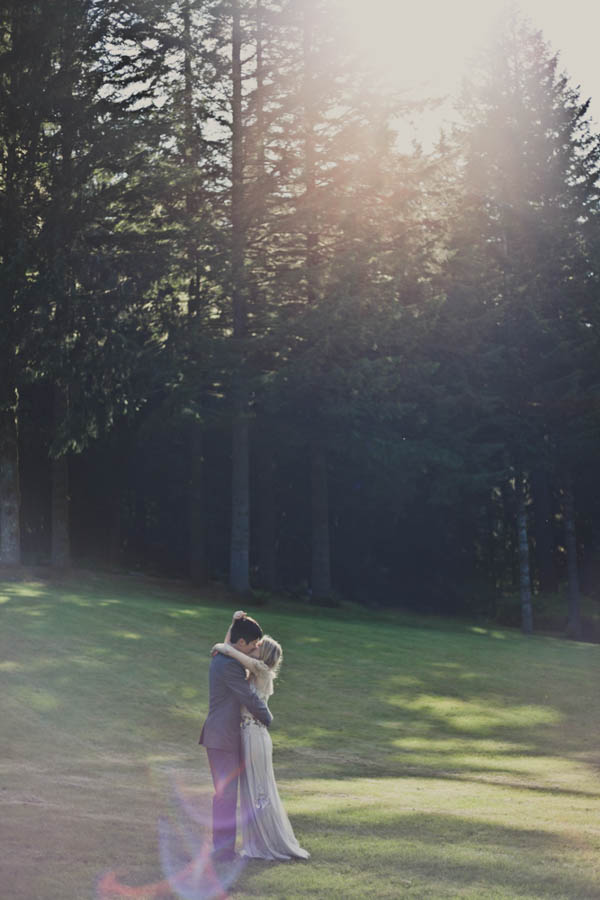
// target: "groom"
[[221, 731]]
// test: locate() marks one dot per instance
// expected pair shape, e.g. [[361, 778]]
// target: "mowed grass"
[[416, 758]]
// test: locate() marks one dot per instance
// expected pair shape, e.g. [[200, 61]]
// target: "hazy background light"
[[426, 46]]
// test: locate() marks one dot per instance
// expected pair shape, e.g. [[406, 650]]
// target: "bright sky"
[[429, 42]]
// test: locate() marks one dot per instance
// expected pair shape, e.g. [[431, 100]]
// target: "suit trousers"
[[225, 770]]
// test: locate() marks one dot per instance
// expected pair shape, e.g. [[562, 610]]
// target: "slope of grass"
[[416, 758]]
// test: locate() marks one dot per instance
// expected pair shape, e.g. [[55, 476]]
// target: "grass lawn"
[[416, 758]]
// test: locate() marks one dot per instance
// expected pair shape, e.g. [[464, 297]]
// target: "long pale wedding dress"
[[266, 829]]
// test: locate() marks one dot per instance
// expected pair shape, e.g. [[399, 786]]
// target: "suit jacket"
[[229, 690]]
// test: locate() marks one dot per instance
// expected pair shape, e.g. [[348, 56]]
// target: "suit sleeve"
[[236, 682]]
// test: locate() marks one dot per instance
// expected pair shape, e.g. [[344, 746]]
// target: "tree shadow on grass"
[[490, 710], [341, 769], [461, 704], [448, 850], [95, 671]]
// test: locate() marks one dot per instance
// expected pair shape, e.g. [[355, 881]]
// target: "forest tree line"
[[245, 335]]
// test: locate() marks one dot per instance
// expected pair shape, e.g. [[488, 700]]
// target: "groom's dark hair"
[[245, 628]]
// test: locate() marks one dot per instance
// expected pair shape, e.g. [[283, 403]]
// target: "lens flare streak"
[[186, 860]]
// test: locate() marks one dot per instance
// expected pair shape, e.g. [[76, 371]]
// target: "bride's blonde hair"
[[270, 652]]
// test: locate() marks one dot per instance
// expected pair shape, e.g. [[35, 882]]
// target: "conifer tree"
[[24, 66], [519, 274], [83, 292]]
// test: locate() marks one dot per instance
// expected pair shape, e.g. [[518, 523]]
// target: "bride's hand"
[[238, 614], [218, 648]]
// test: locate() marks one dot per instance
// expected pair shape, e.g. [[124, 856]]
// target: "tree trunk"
[[139, 533], [311, 234], [188, 87], [190, 160], [491, 555], [320, 534], [266, 518], [590, 568], [13, 276], [239, 567], [574, 618], [115, 532], [524, 576], [197, 508], [260, 96], [10, 495], [544, 549], [510, 556], [197, 555], [321, 574], [61, 543], [237, 183]]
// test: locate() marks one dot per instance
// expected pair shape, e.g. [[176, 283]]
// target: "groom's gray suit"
[[229, 690]]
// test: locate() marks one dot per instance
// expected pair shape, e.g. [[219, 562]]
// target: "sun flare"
[[424, 45], [425, 48]]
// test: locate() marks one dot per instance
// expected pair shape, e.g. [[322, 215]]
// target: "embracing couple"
[[239, 746]]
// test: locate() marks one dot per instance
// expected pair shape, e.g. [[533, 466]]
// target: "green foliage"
[[430, 322]]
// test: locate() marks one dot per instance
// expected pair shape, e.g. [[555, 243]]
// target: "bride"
[[266, 829]]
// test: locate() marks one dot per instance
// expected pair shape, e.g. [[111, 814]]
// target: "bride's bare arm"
[[238, 614], [254, 665]]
